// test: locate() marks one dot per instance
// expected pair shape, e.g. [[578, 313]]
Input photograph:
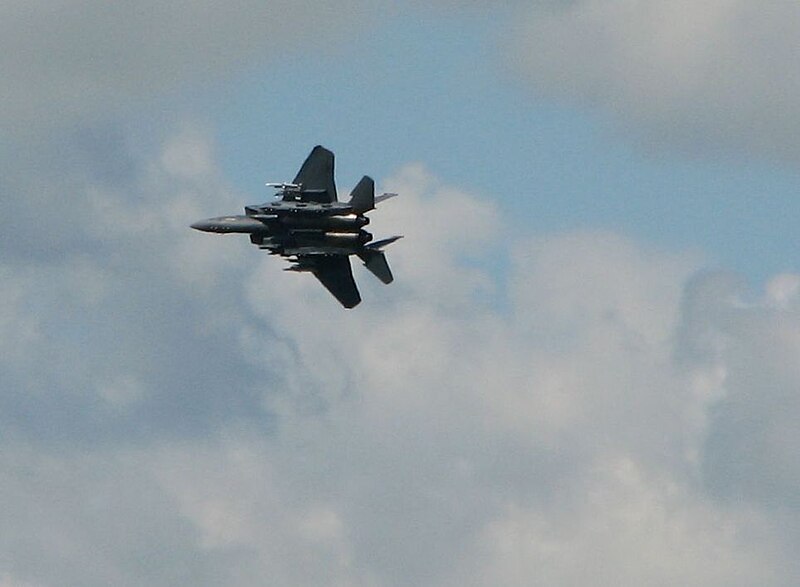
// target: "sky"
[[586, 370]]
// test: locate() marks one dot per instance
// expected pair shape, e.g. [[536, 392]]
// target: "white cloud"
[[710, 75], [642, 532], [185, 408]]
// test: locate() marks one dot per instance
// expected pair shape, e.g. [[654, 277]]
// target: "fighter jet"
[[307, 225]]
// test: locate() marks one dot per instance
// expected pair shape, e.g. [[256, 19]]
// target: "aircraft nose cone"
[[203, 225]]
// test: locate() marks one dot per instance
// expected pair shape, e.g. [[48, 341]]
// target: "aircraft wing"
[[316, 177], [335, 273]]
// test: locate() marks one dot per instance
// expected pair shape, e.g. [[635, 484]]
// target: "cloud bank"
[[176, 409], [716, 75]]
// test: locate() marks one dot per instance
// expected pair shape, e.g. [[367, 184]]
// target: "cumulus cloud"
[[748, 452], [175, 408], [91, 291], [708, 75]]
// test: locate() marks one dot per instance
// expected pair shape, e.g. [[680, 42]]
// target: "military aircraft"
[[310, 227]]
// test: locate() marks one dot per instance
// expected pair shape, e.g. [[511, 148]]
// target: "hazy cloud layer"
[[70, 58], [719, 74], [178, 410]]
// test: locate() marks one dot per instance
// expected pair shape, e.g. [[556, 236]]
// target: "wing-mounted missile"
[[286, 187], [297, 192], [287, 191]]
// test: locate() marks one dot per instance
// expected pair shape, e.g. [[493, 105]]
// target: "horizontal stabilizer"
[[378, 245], [375, 261], [384, 197], [362, 198]]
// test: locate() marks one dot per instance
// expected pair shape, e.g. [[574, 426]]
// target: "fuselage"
[[287, 227], [285, 207]]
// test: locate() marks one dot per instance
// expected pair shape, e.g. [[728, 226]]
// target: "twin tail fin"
[[362, 198]]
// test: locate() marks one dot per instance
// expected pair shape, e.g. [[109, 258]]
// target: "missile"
[[294, 187]]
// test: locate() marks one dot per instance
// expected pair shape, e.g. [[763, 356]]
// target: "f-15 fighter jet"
[[307, 225]]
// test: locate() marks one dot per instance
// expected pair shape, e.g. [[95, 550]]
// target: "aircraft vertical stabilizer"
[[362, 198], [315, 177]]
